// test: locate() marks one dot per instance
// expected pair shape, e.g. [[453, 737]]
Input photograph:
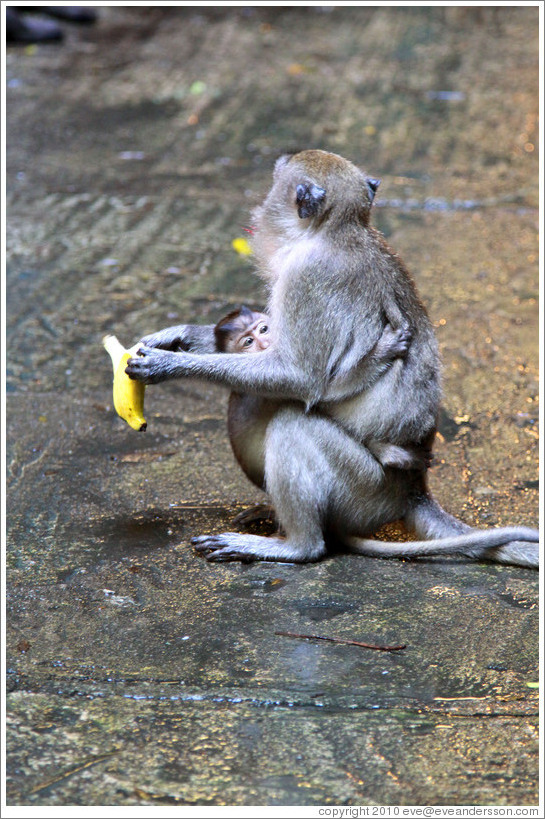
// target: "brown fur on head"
[[233, 332], [311, 189]]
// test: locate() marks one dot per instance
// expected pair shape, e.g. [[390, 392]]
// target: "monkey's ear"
[[308, 198], [373, 185]]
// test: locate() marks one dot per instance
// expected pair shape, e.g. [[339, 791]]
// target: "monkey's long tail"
[[444, 535]]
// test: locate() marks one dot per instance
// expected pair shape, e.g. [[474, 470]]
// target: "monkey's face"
[[250, 338]]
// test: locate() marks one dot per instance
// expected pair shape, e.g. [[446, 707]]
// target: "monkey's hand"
[[152, 365], [394, 343]]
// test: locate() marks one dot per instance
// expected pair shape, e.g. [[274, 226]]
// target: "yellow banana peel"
[[128, 394]]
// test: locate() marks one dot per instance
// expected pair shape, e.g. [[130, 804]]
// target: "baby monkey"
[[242, 331], [246, 331]]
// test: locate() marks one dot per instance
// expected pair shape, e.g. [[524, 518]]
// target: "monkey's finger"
[[217, 548], [228, 555], [204, 543], [136, 369], [144, 351]]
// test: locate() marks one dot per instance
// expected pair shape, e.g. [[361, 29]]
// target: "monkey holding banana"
[[247, 331], [325, 419]]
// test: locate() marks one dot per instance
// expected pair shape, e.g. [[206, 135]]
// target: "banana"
[[128, 394]]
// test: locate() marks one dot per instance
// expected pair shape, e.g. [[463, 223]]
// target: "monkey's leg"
[[498, 545], [444, 535], [430, 521], [313, 472], [515, 553], [289, 466]]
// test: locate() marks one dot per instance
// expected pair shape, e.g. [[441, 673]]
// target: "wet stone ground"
[[139, 674]]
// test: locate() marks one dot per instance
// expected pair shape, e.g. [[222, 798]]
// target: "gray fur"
[[194, 338]]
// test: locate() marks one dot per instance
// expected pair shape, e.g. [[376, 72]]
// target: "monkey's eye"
[[248, 341], [263, 328]]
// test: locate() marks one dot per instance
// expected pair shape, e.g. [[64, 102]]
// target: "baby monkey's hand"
[[168, 339]]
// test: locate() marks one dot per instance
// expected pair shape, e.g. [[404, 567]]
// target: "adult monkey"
[[329, 270]]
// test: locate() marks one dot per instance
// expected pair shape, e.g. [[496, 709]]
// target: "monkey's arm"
[[268, 374], [191, 338]]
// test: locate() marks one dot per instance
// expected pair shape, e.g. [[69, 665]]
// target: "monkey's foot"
[[262, 513], [234, 546], [214, 548], [515, 553]]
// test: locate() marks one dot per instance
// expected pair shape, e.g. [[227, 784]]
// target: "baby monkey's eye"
[[263, 328], [248, 341]]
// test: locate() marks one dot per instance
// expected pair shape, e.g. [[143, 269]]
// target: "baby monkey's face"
[[253, 337]]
